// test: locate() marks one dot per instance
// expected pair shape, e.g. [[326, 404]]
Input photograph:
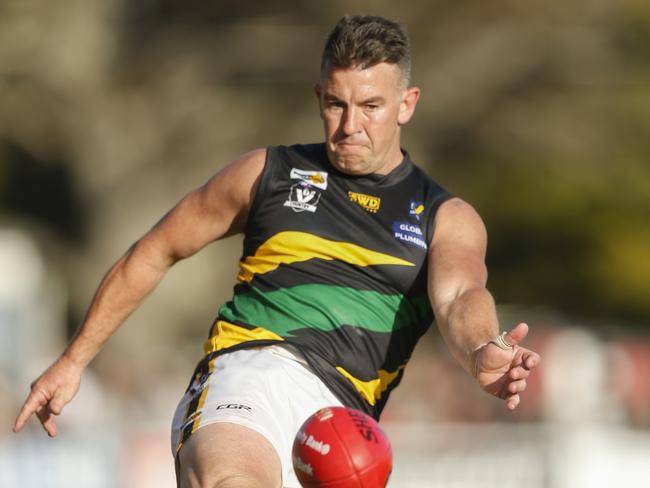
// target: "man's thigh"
[[263, 392], [227, 455]]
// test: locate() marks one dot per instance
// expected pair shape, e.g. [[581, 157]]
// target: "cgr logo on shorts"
[[233, 406]]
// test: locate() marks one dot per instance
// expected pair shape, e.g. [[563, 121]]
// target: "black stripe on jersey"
[[336, 273]]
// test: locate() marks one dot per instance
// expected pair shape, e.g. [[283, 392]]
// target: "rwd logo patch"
[[367, 202]]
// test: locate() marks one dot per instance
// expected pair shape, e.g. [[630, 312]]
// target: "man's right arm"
[[217, 209]]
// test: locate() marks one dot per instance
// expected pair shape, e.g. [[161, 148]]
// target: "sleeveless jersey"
[[334, 265]]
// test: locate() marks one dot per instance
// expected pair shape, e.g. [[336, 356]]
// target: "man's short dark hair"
[[362, 41]]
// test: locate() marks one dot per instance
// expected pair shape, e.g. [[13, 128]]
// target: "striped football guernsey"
[[334, 265]]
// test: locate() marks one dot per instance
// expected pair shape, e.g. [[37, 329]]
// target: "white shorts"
[[270, 390]]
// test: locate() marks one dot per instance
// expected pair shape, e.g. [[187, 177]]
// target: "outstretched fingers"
[[505, 366], [39, 404], [46, 416], [34, 403], [531, 360], [513, 389], [524, 365], [519, 373], [510, 392], [517, 386], [512, 402]]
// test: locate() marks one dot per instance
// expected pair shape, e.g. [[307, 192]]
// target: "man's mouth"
[[349, 145]]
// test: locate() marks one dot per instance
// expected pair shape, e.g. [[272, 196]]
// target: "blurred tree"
[[537, 113], [42, 191]]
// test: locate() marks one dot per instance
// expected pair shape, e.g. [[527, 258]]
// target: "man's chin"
[[349, 159], [350, 165]]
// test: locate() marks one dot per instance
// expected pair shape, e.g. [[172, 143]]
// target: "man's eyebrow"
[[375, 99], [331, 98]]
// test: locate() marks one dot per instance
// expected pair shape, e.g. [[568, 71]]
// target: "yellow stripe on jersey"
[[290, 247], [226, 335], [372, 390]]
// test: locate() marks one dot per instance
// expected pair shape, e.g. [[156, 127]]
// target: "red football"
[[340, 447]]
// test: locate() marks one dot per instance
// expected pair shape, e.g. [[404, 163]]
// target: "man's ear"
[[317, 91], [407, 105]]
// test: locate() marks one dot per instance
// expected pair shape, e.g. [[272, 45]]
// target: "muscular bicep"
[[456, 254], [215, 210]]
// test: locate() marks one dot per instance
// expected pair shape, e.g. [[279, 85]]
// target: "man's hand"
[[503, 372], [50, 393]]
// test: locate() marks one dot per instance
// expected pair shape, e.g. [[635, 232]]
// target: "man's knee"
[[225, 455]]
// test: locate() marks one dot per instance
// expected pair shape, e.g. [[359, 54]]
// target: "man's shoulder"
[[457, 213]]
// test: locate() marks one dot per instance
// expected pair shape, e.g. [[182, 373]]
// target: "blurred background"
[[538, 113]]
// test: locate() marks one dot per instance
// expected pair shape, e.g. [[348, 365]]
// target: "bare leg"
[[227, 455]]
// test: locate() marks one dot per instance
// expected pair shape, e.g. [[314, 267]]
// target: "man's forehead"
[[329, 70], [378, 75]]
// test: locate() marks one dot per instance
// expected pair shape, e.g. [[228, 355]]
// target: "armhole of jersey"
[[441, 197], [263, 185]]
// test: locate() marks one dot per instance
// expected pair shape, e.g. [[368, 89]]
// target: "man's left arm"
[[464, 308]]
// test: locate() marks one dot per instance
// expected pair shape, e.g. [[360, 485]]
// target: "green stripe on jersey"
[[324, 307]]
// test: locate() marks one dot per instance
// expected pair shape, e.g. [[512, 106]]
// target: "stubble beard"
[[353, 164]]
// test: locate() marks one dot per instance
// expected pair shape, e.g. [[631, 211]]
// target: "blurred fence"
[[514, 455], [457, 455]]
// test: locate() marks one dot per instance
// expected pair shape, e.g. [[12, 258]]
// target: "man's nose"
[[351, 123]]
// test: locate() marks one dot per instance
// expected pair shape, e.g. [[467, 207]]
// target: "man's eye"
[[372, 106]]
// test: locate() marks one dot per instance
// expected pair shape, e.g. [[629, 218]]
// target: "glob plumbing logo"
[[410, 233]]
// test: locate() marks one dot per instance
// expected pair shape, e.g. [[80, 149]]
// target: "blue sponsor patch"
[[409, 233]]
